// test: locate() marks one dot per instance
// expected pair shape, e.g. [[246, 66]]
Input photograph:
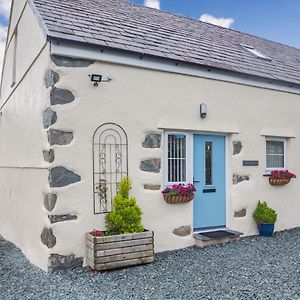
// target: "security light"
[[97, 78]]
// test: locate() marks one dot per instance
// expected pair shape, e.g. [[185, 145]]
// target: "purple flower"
[[180, 189]]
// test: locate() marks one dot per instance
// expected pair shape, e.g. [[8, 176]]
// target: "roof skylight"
[[256, 52]]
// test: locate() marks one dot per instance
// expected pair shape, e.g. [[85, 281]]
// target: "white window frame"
[[189, 157], [284, 140]]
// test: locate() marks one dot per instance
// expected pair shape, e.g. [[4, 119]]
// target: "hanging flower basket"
[[281, 177], [178, 199], [179, 193], [279, 181]]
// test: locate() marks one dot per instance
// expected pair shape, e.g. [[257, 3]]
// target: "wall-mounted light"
[[203, 110], [97, 78]]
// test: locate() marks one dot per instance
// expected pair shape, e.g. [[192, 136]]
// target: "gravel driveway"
[[252, 268]]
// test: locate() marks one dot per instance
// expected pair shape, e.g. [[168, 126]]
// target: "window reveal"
[[177, 158], [275, 154]]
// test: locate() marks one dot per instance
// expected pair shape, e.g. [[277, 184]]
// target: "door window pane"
[[275, 154], [208, 163], [176, 158]]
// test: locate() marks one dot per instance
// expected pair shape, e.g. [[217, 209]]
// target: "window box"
[[179, 193], [278, 181], [178, 199], [280, 177]]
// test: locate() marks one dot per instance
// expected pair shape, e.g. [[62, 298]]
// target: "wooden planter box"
[[118, 251]]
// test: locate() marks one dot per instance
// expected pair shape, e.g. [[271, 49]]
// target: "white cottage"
[[95, 90]]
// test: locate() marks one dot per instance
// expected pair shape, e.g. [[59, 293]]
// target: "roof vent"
[[255, 52]]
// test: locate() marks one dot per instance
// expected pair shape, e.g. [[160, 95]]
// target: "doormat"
[[217, 234]]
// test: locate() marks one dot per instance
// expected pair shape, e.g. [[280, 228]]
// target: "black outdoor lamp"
[[97, 78]]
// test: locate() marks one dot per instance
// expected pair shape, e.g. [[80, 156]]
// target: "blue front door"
[[209, 179]]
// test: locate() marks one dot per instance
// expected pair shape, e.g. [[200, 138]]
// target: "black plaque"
[[250, 163]]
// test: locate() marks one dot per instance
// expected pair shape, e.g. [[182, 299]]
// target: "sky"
[[4, 12], [277, 20]]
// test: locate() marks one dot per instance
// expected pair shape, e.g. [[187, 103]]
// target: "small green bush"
[[264, 214], [126, 216]]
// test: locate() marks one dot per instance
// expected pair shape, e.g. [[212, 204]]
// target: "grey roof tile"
[[122, 25]]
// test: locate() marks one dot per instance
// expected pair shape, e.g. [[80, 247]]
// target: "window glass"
[[208, 163], [176, 158], [275, 154]]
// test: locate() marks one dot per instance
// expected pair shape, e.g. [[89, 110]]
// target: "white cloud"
[[224, 22], [151, 3], [5, 7]]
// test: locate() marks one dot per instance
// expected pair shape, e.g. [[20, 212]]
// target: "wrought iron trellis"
[[110, 164]]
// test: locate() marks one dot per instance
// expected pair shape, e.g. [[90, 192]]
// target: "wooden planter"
[[178, 199], [279, 181], [118, 251]]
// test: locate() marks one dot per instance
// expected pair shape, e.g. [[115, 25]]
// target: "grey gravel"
[[252, 268]]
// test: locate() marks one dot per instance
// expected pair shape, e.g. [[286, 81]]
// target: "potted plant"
[[125, 242], [265, 218], [279, 177], [179, 193]]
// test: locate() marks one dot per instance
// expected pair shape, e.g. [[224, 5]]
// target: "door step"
[[221, 236]]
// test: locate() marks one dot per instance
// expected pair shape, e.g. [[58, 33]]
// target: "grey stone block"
[[152, 140], [51, 78], [183, 231], [60, 176], [59, 137], [61, 96], [69, 62], [49, 117], [151, 165], [239, 178], [50, 201], [48, 238], [237, 147], [60, 262], [61, 218], [241, 213], [152, 187], [49, 156]]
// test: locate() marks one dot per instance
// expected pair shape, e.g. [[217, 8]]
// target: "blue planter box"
[[265, 229]]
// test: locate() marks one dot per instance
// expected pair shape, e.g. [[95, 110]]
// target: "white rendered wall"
[[23, 171], [30, 41], [17, 8], [143, 101]]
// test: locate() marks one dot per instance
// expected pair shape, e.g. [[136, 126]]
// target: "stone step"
[[215, 237]]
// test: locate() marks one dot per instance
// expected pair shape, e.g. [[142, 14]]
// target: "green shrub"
[[126, 216], [264, 214]]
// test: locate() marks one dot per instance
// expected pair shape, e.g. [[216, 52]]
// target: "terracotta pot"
[[279, 181], [178, 199]]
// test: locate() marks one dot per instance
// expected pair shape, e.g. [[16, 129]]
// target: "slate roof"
[[125, 26]]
